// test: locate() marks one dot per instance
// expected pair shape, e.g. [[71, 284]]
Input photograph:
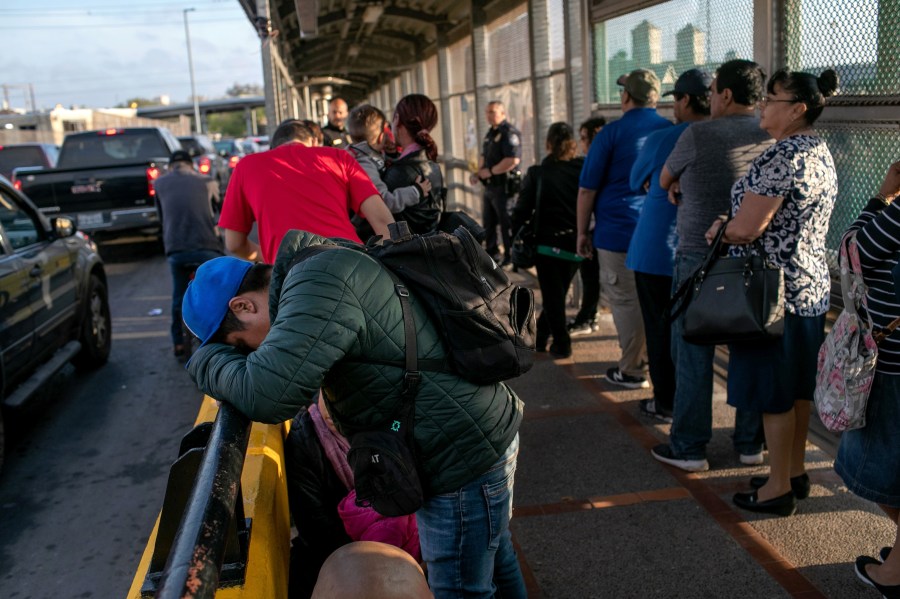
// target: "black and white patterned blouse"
[[800, 170]]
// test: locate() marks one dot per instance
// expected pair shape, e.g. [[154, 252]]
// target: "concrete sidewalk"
[[596, 516]]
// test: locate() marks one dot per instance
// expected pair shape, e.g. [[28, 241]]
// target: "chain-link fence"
[[669, 39], [860, 39]]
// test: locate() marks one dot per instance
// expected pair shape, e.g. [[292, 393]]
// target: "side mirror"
[[223, 153], [63, 226]]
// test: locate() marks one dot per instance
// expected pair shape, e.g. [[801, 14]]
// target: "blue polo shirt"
[[607, 170], [652, 249]]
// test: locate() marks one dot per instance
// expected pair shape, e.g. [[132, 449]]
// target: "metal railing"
[[212, 530]]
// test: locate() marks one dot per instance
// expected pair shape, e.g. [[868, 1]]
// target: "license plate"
[[87, 188], [90, 219]]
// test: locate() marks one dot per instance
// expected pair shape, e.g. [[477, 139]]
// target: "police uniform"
[[502, 141], [335, 138]]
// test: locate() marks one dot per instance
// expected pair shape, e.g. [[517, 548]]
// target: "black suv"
[[207, 160], [53, 300]]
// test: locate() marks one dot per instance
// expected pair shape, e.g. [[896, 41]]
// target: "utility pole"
[[198, 126]]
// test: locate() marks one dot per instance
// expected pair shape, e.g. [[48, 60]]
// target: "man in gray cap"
[[699, 173], [605, 190]]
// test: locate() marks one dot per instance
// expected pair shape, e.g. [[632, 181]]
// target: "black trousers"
[[590, 289], [495, 213], [654, 292], [554, 277]]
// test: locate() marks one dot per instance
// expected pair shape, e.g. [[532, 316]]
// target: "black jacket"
[[559, 200], [314, 492], [424, 216]]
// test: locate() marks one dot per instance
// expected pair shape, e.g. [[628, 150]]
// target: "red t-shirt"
[[295, 187]]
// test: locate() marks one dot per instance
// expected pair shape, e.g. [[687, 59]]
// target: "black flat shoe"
[[884, 553], [783, 505], [800, 485], [888, 592]]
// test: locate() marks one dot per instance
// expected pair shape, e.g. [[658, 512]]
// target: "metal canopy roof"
[[365, 43]]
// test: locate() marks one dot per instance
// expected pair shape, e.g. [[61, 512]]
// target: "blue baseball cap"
[[206, 300]]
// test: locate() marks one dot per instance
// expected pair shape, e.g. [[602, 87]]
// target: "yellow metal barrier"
[[265, 502]]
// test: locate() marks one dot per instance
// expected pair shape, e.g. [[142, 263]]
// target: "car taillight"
[[109, 132], [18, 185], [152, 175], [232, 162], [204, 165]]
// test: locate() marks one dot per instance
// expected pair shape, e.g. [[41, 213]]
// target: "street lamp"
[[187, 34]]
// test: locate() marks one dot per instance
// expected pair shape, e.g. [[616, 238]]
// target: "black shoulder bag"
[[731, 299], [524, 245], [385, 468]]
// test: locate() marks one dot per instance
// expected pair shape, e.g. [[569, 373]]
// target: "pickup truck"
[[103, 180]]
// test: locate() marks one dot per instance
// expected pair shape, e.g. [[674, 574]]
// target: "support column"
[[443, 62], [541, 87], [480, 66], [578, 75], [268, 66]]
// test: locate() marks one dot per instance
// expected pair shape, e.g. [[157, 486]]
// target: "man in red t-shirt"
[[295, 186]]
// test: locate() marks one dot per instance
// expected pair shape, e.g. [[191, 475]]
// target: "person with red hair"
[[414, 118]]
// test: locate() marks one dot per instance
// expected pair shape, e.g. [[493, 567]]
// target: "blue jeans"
[[692, 415], [182, 265], [465, 536]]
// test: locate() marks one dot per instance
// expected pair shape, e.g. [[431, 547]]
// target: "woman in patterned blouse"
[[784, 203], [868, 458]]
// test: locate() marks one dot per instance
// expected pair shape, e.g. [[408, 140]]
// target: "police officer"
[[335, 133], [501, 153]]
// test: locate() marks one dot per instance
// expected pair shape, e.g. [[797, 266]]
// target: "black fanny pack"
[[385, 470]]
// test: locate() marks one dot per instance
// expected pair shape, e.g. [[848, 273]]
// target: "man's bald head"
[[369, 570], [337, 112]]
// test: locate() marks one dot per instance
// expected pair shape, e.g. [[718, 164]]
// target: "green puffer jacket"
[[337, 324]]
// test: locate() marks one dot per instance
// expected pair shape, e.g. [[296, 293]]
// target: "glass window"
[[17, 225], [668, 39]]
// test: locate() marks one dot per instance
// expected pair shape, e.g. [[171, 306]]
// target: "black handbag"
[[731, 299], [524, 249]]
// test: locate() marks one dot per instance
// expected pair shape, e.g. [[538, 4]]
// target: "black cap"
[[692, 82], [180, 156]]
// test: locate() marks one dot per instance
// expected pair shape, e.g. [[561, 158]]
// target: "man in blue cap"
[[272, 336], [651, 254]]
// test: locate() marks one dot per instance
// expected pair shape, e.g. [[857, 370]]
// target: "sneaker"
[[752, 459], [664, 454], [649, 408], [617, 377], [577, 329]]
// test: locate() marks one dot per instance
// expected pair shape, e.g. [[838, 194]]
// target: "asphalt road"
[[86, 467]]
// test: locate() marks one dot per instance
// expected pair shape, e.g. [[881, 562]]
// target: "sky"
[[99, 53]]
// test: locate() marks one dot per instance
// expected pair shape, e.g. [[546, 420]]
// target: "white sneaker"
[[752, 459]]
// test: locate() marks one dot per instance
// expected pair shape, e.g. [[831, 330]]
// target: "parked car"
[[104, 179], [14, 156], [206, 158], [53, 300], [232, 150], [262, 141]]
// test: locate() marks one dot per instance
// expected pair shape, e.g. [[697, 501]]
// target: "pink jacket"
[[365, 524]]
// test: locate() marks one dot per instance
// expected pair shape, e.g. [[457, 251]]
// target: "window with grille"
[[860, 39], [668, 39]]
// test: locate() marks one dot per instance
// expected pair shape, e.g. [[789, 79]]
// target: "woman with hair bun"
[[784, 202], [414, 118]]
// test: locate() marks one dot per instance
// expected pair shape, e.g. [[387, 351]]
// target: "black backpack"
[[487, 322]]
